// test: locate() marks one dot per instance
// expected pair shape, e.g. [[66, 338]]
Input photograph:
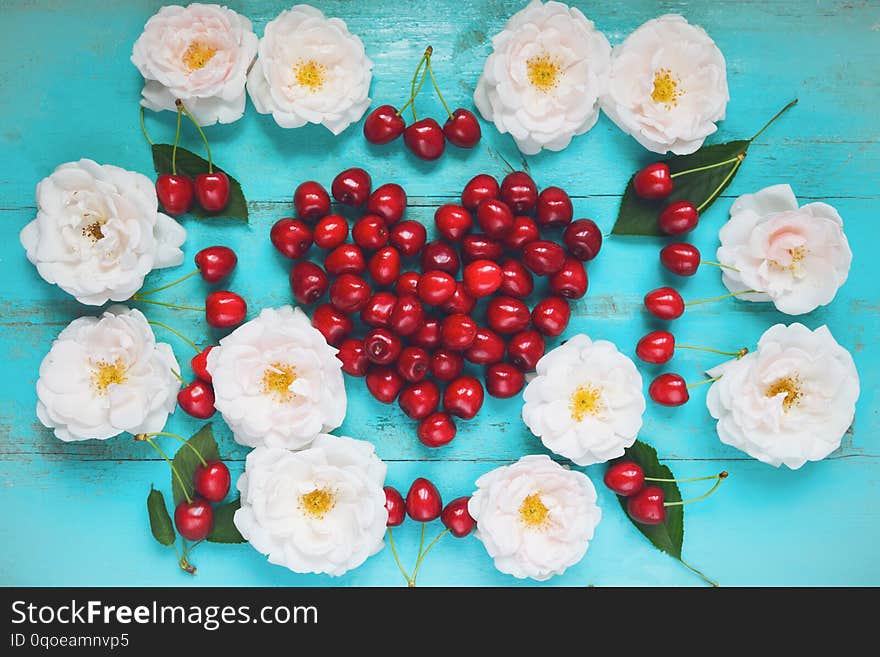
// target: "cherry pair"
[[194, 518]]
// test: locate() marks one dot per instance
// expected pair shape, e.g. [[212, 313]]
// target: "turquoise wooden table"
[[75, 514]]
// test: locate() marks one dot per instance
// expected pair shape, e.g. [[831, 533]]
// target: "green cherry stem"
[[137, 297], [412, 580], [180, 335], [718, 298], [144, 125], [699, 574], [182, 107], [165, 287], [145, 438], [719, 478], [412, 91], [425, 553], [702, 383], [181, 439], [738, 161], [707, 167], [413, 88], [717, 264], [177, 374], [437, 89], [775, 116], [685, 480], [174, 148], [396, 556], [739, 354]]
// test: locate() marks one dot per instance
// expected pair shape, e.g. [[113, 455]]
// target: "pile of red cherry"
[[421, 323]]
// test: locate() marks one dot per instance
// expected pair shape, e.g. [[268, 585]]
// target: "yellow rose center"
[[277, 379], [798, 254], [198, 55], [93, 232], [543, 72], [666, 90], [585, 400], [532, 512], [317, 503], [790, 387], [310, 74], [105, 374]]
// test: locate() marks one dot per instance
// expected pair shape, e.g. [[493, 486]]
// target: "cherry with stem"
[[212, 189]]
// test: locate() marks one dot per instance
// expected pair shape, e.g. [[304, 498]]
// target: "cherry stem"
[[723, 183], [718, 298], [424, 554], [180, 438], [707, 167], [414, 91], [137, 297], [144, 126], [182, 107], [396, 557], [739, 354], [177, 374], [685, 480], [175, 332], [776, 116], [698, 573], [702, 383], [174, 148], [174, 471], [717, 264], [165, 287], [437, 89], [721, 476]]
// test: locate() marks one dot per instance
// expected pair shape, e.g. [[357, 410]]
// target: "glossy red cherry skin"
[[554, 207], [413, 364], [519, 191], [308, 282], [504, 380], [408, 237], [495, 218], [383, 125], [479, 188], [446, 364], [377, 312], [197, 399], [525, 349], [384, 265], [462, 129], [330, 231], [350, 293], [453, 221], [352, 187], [550, 316], [425, 139], [463, 397], [194, 520], [457, 332], [428, 334], [461, 301], [678, 218], [224, 309], [407, 283], [419, 400], [583, 239], [436, 287], [664, 303], [646, 506], [389, 202], [456, 518], [199, 364], [488, 347], [482, 278], [292, 237], [216, 263], [680, 258], [571, 281], [354, 357], [653, 181], [436, 430], [524, 230], [423, 501], [384, 384], [212, 191], [543, 257], [656, 347], [311, 201], [669, 390], [407, 315], [395, 506], [507, 315], [625, 478], [481, 247], [175, 193], [440, 255], [334, 325], [516, 280], [370, 232], [345, 259], [211, 480]]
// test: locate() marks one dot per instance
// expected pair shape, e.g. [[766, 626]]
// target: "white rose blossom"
[[586, 402], [534, 517], [107, 375], [276, 381], [543, 79], [788, 402], [199, 54], [795, 257], [319, 510], [668, 85], [98, 232], [310, 69]]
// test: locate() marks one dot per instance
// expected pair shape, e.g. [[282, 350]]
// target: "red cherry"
[[350, 293], [175, 193], [395, 507], [583, 239], [653, 182], [457, 332], [453, 221], [384, 384], [382, 346], [678, 218], [550, 316], [495, 218], [383, 125], [311, 201], [463, 397], [456, 518], [508, 315], [462, 129], [440, 255], [516, 281], [216, 262], [199, 364], [554, 207], [625, 478], [504, 380], [377, 312], [669, 390], [224, 309], [211, 480], [425, 139], [428, 334], [413, 364], [646, 507], [352, 187], [308, 282], [212, 191], [353, 356], [334, 325], [370, 232], [423, 501], [407, 316], [407, 283], [570, 281], [436, 430], [664, 303], [480, 247], [436, 287], [409, 237], [487, 348], [524, 230], [389, 202], [680, 258], [292, 237], [656, 347], [197, 399], [482, 278], [525, 349], [480, 188], [419, 400], [330, 231], [519, 191], [446, 364], [461, 301], [345, 259], [543, 257], [194, 520]]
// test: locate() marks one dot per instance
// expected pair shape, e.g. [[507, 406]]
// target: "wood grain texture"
[[67, 90]]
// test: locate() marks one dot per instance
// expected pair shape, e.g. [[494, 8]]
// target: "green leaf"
[[638, 216], [160, 521], [225, 530], [669, 535], [190, 164], [186, 461]]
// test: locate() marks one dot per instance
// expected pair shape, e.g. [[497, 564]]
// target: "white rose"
[[98, 232], [668, 85], [107, 375], [276, 381], [548, 68], [200, 54], [790, 401], [319, 510], [586, 402], [535, 517], [795, 257], [311, 69]]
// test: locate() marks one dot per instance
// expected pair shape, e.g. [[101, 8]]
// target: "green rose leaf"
[[186, 461], [190, 164], [160, 521], [225, 530]]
